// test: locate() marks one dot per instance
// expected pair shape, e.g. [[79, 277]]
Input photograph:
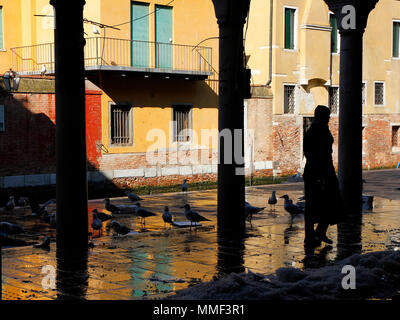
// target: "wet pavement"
[[158, 260]]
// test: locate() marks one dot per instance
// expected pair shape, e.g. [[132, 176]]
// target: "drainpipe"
[[271, 17]]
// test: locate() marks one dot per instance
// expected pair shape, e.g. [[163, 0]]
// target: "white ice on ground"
[[377, 276]]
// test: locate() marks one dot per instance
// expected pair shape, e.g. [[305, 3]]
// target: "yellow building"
[[156, 69], [295, 57]]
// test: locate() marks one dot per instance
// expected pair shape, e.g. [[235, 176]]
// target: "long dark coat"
[[323, 200]]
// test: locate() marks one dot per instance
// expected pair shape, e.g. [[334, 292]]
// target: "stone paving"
[[159, 260]]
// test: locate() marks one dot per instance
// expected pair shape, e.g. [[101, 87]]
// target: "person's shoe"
[[325, 239]]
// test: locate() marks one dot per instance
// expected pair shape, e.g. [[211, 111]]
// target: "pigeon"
[[103, 216], [272, 199], [291, 208], [250, 210], [120, 228], [10, 205], [110, 207], [143, 213], [184, 185], [193, 216], [45, 243], [133, 196], [167, 216], [97, 224], [8, 228]]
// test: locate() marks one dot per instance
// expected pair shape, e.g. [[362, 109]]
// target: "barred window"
[[364, 94], [395, 136], [379, 93], [289, 98], [334, 99], [182, 122], [121, 124]]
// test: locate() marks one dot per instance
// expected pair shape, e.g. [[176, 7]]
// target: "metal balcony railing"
[[114, 54]]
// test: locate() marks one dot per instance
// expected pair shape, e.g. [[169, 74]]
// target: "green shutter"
[[334, 46], [1, 28], [289, 28], [396, 38]]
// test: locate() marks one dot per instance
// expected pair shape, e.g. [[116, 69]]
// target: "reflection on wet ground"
[[159, 260]]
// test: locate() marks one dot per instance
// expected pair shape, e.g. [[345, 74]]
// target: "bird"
[[133, 196], [103, 216], [250, 210], [143, 213], [272, 199], [97, 224], [43, 70], [184, 185], [10, 205], [10, 228], [22, 202], [39, 210], [167, 216], [45, 243], [193, 216], [291, 208], [95, 30], [120, 228], [110, 207]]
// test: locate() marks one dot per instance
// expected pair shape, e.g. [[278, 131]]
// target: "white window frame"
[[338, 99], [295, 31], [283, 98], [384, 94], [394, 58], [366, 93], [338, 34]]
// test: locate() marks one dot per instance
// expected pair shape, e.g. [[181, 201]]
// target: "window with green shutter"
[[396, 39], [1, 28], [334, 33], [289, 28]]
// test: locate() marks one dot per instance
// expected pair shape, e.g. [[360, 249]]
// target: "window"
[[395, 137], [334, 34], [396, 39], [182, 122], [121, 124], [2, 124], [290, 21], [379, 93], [1, 29], [334, 99], [289, 98], [364, 93]]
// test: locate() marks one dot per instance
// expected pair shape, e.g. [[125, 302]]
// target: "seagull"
[[120, 228], [291, 208], [45, 243], [95, 30], [272, 199], [133, 196], [184, 185], [110, 207], [102, 216], [39, 210], [43, 70], [167, 216], [250, 210], [193, 216], [10, 205], [143, 213], [97, 224], [10, 228]]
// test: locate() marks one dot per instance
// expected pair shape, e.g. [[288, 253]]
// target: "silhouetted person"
[[323, 200]]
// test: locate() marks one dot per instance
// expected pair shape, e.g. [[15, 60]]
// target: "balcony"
[[122, 56]]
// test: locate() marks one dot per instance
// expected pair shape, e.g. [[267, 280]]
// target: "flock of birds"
[[98, 217]]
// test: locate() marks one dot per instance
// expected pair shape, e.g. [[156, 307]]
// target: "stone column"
[[231, 16], [72, 193], [351, 16]]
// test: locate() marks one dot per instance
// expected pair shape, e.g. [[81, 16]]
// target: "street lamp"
[[11, 80]]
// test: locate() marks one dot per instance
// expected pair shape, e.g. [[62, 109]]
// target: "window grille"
[[289, 98], [182, 123], [120, 125]]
